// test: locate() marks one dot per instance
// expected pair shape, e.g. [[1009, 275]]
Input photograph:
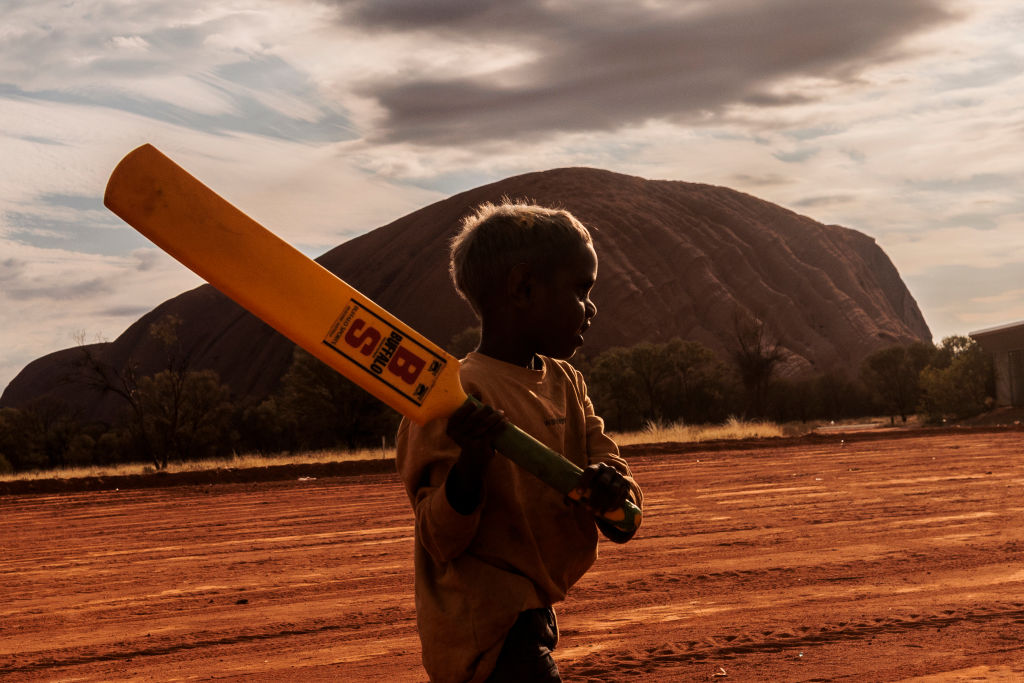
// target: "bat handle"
[[558, 473]]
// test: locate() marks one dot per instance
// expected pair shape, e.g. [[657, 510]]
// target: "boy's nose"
[[590, 310]]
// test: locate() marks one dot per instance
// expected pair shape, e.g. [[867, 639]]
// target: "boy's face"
[[562, 308]]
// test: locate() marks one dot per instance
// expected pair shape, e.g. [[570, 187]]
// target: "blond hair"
[[499, 236]]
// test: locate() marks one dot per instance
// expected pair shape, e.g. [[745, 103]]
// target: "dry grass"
[[235, 462], [732, 429]]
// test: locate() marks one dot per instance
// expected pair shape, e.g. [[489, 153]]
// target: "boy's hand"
[[603, 488], [473, 428]]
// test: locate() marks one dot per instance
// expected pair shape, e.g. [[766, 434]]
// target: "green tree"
[[174, 413], [322, 409], [186, 415], [666, 382], [37, 435], [959, 383], [893, 376], [16, 444], [757, 354]]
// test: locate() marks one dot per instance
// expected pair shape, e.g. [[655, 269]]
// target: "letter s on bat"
[[366, 342]]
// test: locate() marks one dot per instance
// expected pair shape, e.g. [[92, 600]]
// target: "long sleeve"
[[443, 531]]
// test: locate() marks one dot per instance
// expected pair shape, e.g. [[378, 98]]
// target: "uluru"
[[677, 259]]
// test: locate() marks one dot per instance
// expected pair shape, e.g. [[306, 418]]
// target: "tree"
[[960, 381], [323, 409], [667, 382], [186, 415], [893, 376], [174, 413], [37, 435], [756, 356], [103, 378]]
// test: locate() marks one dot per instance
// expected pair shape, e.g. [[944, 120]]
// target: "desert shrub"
[[37, 435], [262, 428], [828, 396], [322, 409], [80, 451], [959, 383], [659, 383], [893, 377], [186, 415]]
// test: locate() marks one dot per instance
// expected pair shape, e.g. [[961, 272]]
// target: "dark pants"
[[526, 655]]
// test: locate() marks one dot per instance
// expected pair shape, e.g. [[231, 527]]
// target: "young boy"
[[495, 547]]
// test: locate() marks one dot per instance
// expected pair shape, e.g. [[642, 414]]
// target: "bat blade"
[[289, 291], [314, 308]]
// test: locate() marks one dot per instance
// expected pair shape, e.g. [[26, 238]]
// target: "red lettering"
[[406, 365], [366, 342]]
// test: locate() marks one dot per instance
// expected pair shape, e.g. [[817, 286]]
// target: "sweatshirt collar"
[[499, 366]]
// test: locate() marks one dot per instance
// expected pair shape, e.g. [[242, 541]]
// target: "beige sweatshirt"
[[525, 545]]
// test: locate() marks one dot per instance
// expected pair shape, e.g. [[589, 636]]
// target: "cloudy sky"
[[324, 119]]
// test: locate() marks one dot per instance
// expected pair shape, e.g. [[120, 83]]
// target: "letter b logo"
[[406, 365]]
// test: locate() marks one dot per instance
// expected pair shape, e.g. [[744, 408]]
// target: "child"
[[495, 547]]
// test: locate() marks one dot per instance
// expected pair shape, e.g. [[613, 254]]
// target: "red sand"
[[864, 559]]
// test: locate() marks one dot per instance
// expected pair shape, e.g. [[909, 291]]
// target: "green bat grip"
[[557, 472]]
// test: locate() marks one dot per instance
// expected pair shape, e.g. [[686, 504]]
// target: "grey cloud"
[[146, 259], [796, 156], [79, 202], [824, 200], [60, 291], [769, 180], [246, 115], [977, 182], [124, 311], [88, 228], [624, 63], [417, 14], [812, 133], [41, 140], [11, 270], [856, 155]]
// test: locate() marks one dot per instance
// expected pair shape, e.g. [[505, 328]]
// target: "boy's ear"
[[519, 284]]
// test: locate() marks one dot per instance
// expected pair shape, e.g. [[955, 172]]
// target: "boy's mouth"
[[583, 330]]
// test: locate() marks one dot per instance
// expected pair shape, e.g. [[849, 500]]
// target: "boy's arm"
[[473, 428], [602, 451], [425, 458], [607, 489]]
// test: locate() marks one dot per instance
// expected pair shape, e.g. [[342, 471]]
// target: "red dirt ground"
[[847, 557]]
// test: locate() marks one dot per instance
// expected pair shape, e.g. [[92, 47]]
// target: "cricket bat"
[[311, 306]]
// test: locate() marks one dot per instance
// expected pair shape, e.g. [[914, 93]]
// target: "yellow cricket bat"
[[311, 306]]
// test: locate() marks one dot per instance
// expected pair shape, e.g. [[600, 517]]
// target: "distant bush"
[[659, 383], [893, 375], [959, 383]]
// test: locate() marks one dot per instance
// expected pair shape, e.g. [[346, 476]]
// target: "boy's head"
[[536, 260]]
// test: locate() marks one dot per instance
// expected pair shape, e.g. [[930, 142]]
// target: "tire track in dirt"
[[722, 647], [881, 559]]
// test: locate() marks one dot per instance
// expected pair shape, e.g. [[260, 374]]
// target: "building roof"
[[1006, 327], [1008, 337]]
